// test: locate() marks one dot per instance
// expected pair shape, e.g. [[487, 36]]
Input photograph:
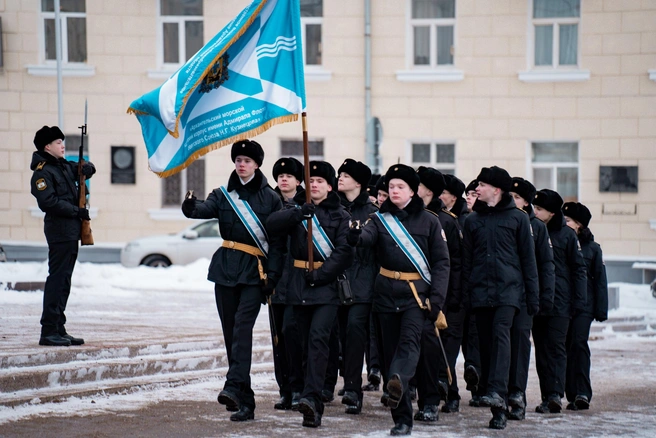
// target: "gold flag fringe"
[[228, 141]]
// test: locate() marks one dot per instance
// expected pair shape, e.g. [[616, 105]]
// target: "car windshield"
[[208, 229]]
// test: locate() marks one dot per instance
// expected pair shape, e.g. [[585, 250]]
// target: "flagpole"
[[308, 199]]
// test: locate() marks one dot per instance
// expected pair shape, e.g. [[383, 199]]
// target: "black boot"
[[542, 408], [370, 387], [401, 429], [517, 414], [327, 396], [516, 400], [243, 414], [54, 341], [311, 417], [494, 401], [229, 399], [296, 396], [374, 377], [475, 401], [431, 413], [413, 393], [571, 406], [471, 378], [350, 398], [395, 390], [384, 398], [582, 402], [498, 420], [443, 390], [419, 416], [554, 403], [341, 392], [452, 405], [74, 341], [284, 403]]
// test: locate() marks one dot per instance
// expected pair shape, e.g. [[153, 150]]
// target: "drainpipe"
[[371, 158], [58, 51]]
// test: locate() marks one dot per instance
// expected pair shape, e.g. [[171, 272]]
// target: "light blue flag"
[[246, 79]]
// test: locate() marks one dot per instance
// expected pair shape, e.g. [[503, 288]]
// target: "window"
[[176, 186], [441, 156], [294, 148], [556, 32], [556, 167], [208, 229], [311, 22], [431, 30], [180, 31], [73, 31]]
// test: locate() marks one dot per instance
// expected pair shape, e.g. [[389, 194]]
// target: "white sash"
[[249, 219], [321, 241], [405, 241]]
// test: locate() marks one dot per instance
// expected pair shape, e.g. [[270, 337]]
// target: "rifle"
[[86, 237]]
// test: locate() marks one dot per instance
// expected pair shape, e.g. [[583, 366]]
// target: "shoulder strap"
[[407, 243], [40, 165], [249, 219]]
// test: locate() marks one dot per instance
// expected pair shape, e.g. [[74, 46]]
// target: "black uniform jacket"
[[460, 210], [54, 187], [543, 257], [230, 267], [451, 227], [596, 305], [362, 273], [498, 265], [280, 294], [395, 295], [571, 275], [334, 221]]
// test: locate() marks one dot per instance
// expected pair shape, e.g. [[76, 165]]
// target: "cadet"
[[452, 197], [411, 286], [499, 273], [523, 192], [287, 353], [550, 328], [245, 267], [314, 293], [54, 187], [381, 191], [354, 317], [577, 385], [431, 386]]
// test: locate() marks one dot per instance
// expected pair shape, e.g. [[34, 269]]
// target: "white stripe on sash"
[[321, 241], [407, 244], [249, 219]]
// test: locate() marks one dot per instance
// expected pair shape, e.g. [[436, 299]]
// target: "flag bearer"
[[244, 269]]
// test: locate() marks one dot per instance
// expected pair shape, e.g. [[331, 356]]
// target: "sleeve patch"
[[41, 184], [443, 235]]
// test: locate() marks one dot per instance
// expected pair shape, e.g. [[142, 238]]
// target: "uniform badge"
[[578, 244], [550, 245], [41, 184], [443, 235], [531, 228]]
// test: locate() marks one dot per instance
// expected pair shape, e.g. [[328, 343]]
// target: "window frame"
[[554, 165], [300, 157], [63, 16], [180, 20], [441, 166], [183, 185], [433, 23], [305, 21]]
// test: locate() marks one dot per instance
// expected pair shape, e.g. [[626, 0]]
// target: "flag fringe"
[[243, 136], [136, 112]]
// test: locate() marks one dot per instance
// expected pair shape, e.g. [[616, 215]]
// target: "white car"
[[200, 240]]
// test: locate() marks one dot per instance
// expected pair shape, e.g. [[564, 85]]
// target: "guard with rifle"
[[58, 186]]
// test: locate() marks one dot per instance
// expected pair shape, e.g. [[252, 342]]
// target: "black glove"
[[308, 210], [88, 169], [83, 214], [270, 285], [433, 313], [353, 236], [601, 317], [546, 306], [311, 278], [188, 206], [532, 308]]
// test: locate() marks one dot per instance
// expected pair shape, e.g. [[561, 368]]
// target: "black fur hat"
[[549, 200], [357, 170], [454, 185], [578, 212], [47, 135], [406, 173], [323, 169], [381, 184], [471, 187], [290, 166], [523, 188], [432, 179], [248, 148], [497, 177]]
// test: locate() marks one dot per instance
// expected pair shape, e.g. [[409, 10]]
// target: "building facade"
[[562, 92]]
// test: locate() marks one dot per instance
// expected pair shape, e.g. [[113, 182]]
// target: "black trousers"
[[452, 340], [520, 351], [494, 325], [61, 261], [315, 324], [353, 328], [333, 370], [371, 351], [428, 368], [550, 338], [401, 339], [470, 349], [238, 309], [578, 358], [288, 354]]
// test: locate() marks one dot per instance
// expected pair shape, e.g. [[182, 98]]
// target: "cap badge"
[[282, 164]]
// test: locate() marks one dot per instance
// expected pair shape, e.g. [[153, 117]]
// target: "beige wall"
[[491, 115]]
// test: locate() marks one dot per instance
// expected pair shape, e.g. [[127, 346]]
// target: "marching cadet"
[[381, 191], [244, 268], [499, 273], [287, 349], [577, 385], [54, 187], [411, 286], [354, 316], [452, 197], [469, 333], [313, 293], [523, 192], [431, 386], [550, 328]]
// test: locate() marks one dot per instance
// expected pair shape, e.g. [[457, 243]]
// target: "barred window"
[[176, 186]]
